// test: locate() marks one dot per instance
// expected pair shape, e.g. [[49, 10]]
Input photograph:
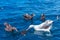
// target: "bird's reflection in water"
[[42, 33]]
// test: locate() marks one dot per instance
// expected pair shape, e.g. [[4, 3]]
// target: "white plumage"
[[45, 26]]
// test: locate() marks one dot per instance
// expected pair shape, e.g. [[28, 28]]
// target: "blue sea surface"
[[12, 11]]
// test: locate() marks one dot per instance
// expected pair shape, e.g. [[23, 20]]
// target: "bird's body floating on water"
[[45, 26], [9, 27], [28, 17]]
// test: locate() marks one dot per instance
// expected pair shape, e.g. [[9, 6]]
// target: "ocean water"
[[12, 11]]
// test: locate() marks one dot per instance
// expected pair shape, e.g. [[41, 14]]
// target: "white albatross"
[[45, 26]]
